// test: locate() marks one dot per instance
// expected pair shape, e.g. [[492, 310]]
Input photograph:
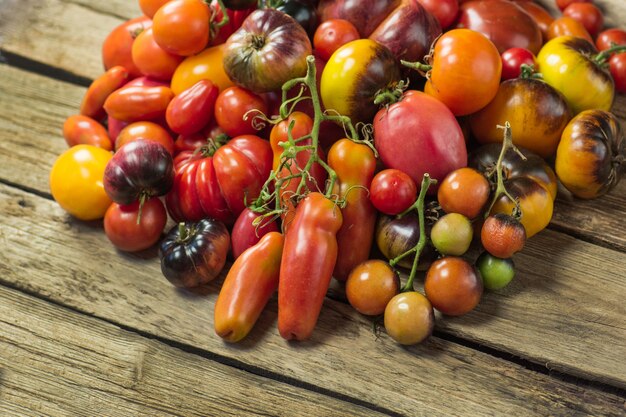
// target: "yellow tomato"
[[567, 65], [76, 181], [207, 65]]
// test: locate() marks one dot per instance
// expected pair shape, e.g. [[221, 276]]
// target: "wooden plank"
[[58, 362], [43, 251]]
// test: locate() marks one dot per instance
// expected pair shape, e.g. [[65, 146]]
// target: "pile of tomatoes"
[[341, 139]]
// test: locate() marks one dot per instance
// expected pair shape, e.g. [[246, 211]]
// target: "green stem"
[[183, 232], [604, 56], [507, 144], [142, 199], [418, 66], [528, 71], [225, 18], [421, 243]]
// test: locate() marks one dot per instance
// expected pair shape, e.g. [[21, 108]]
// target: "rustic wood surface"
[[564, 312]]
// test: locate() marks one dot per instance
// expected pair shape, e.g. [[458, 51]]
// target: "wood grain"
[[45, 252], [58, 362]]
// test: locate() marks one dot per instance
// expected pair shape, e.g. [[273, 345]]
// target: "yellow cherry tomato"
[[353, 76], [567, 64], [207, 65], [76, 181]]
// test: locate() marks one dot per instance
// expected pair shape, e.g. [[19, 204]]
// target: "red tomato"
[[332, 34], [181, 27], [617, 66], [116, 48], [145, 131], [610, 36], [151, 59], [246, 234], [588, 14], [231, 106], [446, 11], [192, 110], [134, 103], [100, 89], [122, 229], [512, 60], [392, 191], [79, 129], [562, 4]]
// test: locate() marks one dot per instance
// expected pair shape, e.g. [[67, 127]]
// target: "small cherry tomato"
[[568, 26], [181, 27], [588, 15], [100, 89], [79, 129], [495, 272], [331, 35], [76, 181], [453, 286], [617, 66], [452, 234], [370, 286], [503, 235], [151, 59], [464, 191], [562, 4], [231, 107], [607, 38], [150, 7], [117, 47], [125, 233], [392, 191], [512, 61], [409, 318], [145, 131], [446, 11], [395, 236]]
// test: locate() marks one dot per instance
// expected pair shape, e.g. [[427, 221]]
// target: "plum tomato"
[[392, 191], [151, 59], [452, 234], [193, 109], [145, 131], [588, 15], [446, 11], [92, 104], [331, 35], [129, 234], [370, 286], [453, 286], [503, 235], [76, 181], [231, 106], [409, 318], [132, 103], [609, 37], [496, 272], [568, 26], [181, 27], [512, 61], [464, 191], [79, 129]]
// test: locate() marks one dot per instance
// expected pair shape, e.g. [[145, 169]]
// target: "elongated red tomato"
[[309, 257], [192, 110], [354, 164], [250, 283], [100, 89]]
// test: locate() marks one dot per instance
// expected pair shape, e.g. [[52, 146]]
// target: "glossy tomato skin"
[[496, 272], [207, 65], [617, 66], [392, 191], [331, 35], [194, 253], [568, 26], [590, 157], [310, 245], [394, 236], [542, 17], [446, 11], [246, 233], [409, 318], [370, 286], [588, 14], [79, 129], [562, 4], [537, 127], [76, 181], [503, 22], [192, 110], [567, 65], [606, 38], [453, 286], [134, 103], [117, 47], [268, 50], [428, 134], [145, 131], [151, 59], [92, 104], [249, 284], [466, 70], [512, 61], [464, 191], [150, 7], [355, 164], [122, 229], [231, 107], [303, 12], [181, 27], [353, 76]]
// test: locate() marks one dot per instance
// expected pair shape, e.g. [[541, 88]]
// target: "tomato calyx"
[[602, 58], [214, 26], [529, 71], [421, 243], [392, 94]]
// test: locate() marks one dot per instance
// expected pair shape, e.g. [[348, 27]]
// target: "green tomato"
[[496, 272], [452, 234]]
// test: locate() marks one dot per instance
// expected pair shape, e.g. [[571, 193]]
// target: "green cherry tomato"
[[452, 234], [496, 272]]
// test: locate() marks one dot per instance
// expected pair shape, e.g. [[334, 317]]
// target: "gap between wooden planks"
[[58, 362], [36, 107], [46, 253]]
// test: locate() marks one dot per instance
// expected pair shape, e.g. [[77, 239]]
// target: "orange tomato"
[[568, 26], [76, 181], [207, 65]]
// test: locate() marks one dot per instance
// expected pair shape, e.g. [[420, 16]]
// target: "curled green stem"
[[604, 56], [507, 144], [418, 205], [418, 66]]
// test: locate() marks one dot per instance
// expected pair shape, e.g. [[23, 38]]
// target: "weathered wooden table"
[[86, 330]]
